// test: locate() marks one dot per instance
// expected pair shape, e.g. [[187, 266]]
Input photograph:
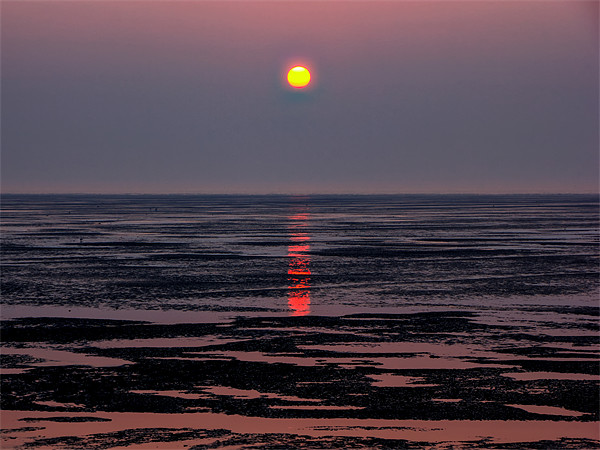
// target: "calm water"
[[300, 322], [107, 256]]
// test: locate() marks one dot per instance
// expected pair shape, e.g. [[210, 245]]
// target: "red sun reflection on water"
[[299, 267]]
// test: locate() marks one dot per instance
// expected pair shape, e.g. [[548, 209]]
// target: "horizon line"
[[300, 193]]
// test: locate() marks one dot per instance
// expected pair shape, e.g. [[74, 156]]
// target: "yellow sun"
[[298, 77]]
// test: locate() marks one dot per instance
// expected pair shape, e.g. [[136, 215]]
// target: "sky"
[[406, 97]]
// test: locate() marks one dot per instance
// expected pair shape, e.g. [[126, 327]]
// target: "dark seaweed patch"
[[65, 419]]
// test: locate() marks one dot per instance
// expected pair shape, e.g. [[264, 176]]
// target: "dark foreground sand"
[[423, 380]]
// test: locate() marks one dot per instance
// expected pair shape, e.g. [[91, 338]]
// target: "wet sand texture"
[[365, 380]]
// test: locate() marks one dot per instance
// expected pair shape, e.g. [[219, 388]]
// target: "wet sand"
[[421, 380], [300, 322]]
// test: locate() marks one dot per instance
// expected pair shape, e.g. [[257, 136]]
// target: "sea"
[[197, 257], [318, 321]]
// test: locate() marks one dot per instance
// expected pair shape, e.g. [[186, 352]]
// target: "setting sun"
[[298, 77]]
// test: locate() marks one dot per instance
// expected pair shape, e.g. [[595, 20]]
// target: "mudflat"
[[300, 322], [357, 381]]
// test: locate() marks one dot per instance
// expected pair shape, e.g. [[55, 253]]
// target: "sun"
[[298, 77]]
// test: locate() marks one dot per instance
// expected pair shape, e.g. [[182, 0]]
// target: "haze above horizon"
[[405, 97]]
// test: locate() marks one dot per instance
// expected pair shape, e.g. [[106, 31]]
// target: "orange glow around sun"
[[298, 77]]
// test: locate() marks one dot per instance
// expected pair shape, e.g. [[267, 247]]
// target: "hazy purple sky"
[[150, 96]]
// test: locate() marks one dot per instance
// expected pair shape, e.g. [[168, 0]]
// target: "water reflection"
[[299, 266]]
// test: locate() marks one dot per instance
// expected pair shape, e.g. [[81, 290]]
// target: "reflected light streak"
[[300, 237], [299, 267], [299, 218], [298, 250]]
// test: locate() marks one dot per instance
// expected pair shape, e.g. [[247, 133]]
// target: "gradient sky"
[[166, 97]]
